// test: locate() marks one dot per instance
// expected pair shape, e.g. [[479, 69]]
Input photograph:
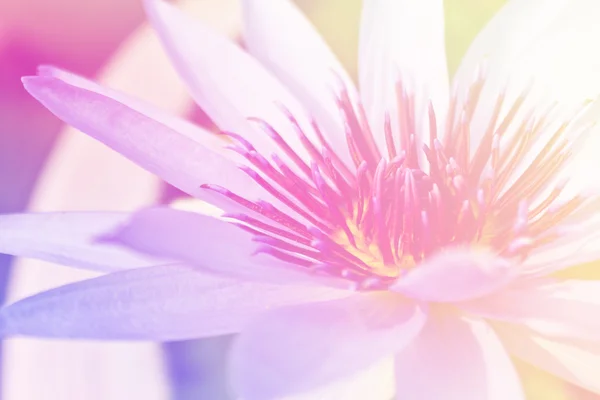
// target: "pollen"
[[370, 254]]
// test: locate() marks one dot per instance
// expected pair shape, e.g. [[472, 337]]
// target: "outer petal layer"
[[299, 348], [456, 359], [69, 239], [157, 303], [174, 156]]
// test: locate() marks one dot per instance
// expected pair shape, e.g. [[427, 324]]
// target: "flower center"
[[371, 222]]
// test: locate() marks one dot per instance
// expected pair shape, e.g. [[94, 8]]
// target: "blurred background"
[[41, 162]]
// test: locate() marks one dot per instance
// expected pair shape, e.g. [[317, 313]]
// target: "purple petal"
[[569, 309], [162, 303], [209, 243], [456, 359], [180, 158], [455, 275], [69, 239], [225, 81], [147, 109], [296, 349]]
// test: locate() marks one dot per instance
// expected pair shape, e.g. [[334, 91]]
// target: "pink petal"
[[296, 349], [68, 239], [455, 275], [177, 158], [568, 309], [208, 243], [284, 40], [162, 303], [456, 359], [577, 363], [225, 81], [403, 40]]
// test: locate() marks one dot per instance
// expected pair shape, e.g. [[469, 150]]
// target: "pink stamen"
[[367, 225]]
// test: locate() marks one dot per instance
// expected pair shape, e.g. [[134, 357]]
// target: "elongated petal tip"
[[36, 84], [28, 80]]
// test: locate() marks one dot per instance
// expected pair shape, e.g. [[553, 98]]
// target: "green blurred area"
[[464, 19], [338, 20]]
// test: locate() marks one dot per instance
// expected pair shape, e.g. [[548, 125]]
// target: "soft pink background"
[[34, 32]]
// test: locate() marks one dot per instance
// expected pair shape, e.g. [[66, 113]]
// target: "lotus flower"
[[404, 220]]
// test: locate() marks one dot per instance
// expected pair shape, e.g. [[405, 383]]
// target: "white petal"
[[568, 309], [69, 239], [514, 28], [498, 48], [538, 44], [403, 40], [579, 140], [283, 39], [228, 84], [575, 363], [456, 359], [576, 172]]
